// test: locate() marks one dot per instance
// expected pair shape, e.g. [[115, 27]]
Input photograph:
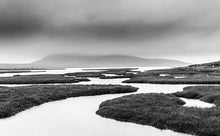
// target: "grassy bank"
[[168, 80], [182, 75], [210, 94], [40, 79], [164, 112], [16, 99]]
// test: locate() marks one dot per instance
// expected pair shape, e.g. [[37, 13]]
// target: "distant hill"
[[214, 65], [104, 61]]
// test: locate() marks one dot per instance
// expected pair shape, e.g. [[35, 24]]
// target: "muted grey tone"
[[173, 29]]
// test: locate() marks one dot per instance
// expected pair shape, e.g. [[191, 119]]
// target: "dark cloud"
[[151, 28], [18, 18], [110, 19], [123, 31], [19, 26]]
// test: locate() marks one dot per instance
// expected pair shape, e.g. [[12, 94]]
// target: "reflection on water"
[[76, 116], [197, 103], [110, 75]]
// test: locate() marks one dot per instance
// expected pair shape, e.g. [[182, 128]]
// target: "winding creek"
[[76, 116]]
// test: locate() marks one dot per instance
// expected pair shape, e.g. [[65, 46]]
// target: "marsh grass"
[[191, 75], [164, 112], [119, 73], [210, 94], [16, 99], [40, 79]]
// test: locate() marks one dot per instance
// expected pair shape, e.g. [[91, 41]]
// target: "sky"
[[173, 29]]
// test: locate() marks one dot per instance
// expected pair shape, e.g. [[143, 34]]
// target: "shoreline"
[[17, 99], [163, 111]]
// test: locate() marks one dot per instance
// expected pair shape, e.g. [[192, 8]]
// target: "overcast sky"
[[174, 29]]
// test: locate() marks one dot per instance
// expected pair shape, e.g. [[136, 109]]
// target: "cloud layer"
[[149, 28]]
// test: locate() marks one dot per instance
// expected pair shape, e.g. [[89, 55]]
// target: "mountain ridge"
[[68, 60]]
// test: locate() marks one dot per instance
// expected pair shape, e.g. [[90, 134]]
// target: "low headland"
[[14, 71], [194, 74], [21, 70]]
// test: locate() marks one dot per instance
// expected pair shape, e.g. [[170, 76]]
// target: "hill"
[[105, 61], [211, 65]]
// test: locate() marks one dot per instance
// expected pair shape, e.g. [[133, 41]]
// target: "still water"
[[76, 116]]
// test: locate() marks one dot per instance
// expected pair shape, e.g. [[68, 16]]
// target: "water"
[[197, 103], [110, 75], [71, 70], [76, 116], [154, 88], [164, 75], [179, 77], [61, 71]]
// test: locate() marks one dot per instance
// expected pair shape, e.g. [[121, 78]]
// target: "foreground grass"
[[40, 79], [164, 112], [210, 94], [16, 99]]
